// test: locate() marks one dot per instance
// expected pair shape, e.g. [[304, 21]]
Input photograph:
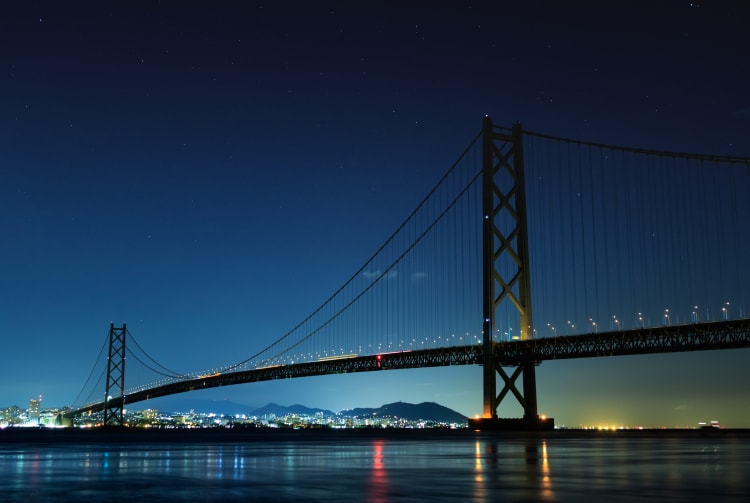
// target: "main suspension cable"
[[91, 373]]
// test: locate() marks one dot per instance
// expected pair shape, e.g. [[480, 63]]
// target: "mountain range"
[[425, 411]]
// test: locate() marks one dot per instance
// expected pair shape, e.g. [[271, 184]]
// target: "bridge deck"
[[731, 334]]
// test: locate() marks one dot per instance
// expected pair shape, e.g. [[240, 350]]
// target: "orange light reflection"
[[546, 482]]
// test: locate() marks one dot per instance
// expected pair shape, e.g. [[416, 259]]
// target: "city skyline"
[[182, 169]]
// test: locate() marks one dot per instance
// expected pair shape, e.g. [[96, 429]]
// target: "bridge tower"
[[506, 279], [114, 394]]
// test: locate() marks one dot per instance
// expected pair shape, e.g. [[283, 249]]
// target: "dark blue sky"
[[210, 174]]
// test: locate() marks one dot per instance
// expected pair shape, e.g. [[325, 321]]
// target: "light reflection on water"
[[471, 467]]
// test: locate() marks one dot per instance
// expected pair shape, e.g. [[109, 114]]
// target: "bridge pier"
[[512, 424], [64, 421]]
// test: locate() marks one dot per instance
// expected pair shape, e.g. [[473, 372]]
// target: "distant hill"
[[426, 411]]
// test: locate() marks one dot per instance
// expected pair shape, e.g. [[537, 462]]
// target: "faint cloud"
[[682, 406], [742, 112], [417, 276], [379, 275]]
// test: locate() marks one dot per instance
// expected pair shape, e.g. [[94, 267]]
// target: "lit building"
[[35, 408]]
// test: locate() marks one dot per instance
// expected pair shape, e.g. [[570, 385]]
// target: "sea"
[[374, 466]]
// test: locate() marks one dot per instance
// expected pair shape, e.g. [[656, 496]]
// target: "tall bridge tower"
[[506, 278], [114, 394]]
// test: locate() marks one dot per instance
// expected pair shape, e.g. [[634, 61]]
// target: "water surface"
[[383, 467]]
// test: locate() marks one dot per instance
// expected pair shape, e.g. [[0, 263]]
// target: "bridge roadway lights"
[[512, 424]]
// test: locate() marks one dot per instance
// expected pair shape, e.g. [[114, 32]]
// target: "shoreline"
[[62, 436]]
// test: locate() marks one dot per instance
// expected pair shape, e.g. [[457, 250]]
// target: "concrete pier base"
[[512, 424]]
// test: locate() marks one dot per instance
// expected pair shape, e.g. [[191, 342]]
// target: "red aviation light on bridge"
[[379, 358]]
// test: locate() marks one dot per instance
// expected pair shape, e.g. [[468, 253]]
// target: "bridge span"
[[592, 233], [726, 334]]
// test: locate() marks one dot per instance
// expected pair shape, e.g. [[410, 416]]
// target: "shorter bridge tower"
[[114, 394]]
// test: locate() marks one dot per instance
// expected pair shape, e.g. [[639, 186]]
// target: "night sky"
[[210, 174]]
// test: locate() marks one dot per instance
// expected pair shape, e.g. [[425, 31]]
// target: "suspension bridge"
[[619, 250]]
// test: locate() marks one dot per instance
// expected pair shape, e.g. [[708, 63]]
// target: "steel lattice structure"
[[506, 278], [732, 334], [115, 389]]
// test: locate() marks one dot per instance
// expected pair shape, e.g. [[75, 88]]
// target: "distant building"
[[12, 415], [35, 409]]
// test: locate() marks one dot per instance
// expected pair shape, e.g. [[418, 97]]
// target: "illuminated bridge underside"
[[731, 334]]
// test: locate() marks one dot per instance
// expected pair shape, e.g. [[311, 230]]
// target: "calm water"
[[381, 468]]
